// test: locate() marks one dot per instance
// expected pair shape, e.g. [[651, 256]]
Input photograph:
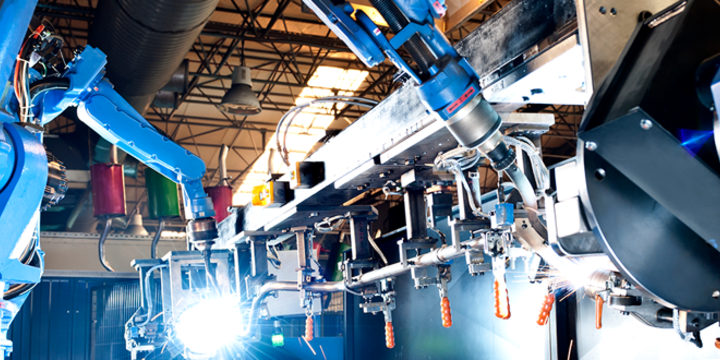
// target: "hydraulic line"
[[47, 84], [22, 289], [101, 245]]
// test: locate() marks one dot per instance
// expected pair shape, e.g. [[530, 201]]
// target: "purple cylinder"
[[108, 190], [222, 199]]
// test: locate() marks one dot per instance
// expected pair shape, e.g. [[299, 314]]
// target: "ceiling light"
[[240, 99], [135, 226]]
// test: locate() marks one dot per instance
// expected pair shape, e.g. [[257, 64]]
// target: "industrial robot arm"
[[445, 82], [107, 113]]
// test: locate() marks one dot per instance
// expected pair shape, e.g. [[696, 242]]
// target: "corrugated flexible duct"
[[145, 41]]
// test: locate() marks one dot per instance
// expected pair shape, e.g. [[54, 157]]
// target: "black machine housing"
[[652, 204]]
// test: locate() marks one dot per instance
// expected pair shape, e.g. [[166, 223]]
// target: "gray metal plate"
[[604, 35]]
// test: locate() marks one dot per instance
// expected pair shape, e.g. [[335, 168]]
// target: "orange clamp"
[[502, 300], [309, 328], [446, 315], [717, 343], [389, 335], [546, 308], [598, 311]]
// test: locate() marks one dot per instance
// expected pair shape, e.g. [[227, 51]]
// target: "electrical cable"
[[471, 199], [346, 288], [42, 86], [31, 256], [387, 191], [376, 247], [298, 109], [349, 100], [320, 226], [273, 256], [21, 289], [148, 290], [443, 238], [22, 90], [541, 173]]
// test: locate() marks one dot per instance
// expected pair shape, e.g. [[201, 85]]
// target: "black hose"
[[22, 289], [101, 246], [48, 84], [414, 46], [156, 239]]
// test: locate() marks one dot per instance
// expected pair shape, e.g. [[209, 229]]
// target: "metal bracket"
[[304, 248], [476, 263]]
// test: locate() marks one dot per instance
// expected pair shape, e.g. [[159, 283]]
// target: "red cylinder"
[[108, 190], [222, 199]]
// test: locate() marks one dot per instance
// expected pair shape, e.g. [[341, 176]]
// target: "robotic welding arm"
[[101, 108], [445, 82]]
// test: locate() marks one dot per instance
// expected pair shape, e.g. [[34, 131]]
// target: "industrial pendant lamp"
[[240, 99]]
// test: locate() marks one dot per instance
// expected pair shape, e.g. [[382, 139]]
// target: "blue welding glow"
[[693, 140]]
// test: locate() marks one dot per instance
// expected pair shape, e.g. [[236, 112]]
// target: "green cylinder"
[[162, 194]]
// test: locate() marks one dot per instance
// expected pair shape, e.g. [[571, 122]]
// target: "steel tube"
[[222, 164], [435, 257], [270, 287], [101, 245], [156, 239]]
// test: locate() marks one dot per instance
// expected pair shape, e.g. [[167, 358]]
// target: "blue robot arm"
[[107, 113], [445, 82]]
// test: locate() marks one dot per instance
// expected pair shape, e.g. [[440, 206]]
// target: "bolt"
[[591, 146], [716, 294], [361, 187], [646, 124], [695, 323]]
